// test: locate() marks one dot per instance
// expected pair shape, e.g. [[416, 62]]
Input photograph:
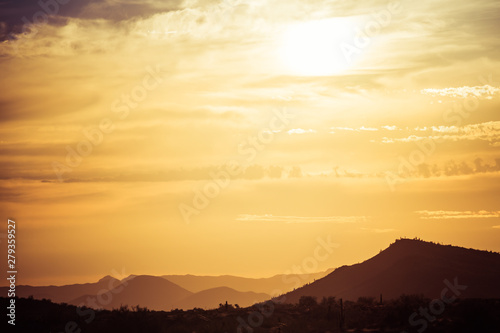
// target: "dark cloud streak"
[[15, 15]]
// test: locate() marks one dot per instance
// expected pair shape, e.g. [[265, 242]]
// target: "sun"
[[313, 48]]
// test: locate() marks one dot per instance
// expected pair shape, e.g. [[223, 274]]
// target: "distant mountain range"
[[411, 267], [64, 294], [169, 291], [405, 267], [268, 285]]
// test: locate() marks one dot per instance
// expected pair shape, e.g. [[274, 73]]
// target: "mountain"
[[281, 282], [164, 293], [411, 267], [157, 293], [152, 292], [61, 294], [211, 298]]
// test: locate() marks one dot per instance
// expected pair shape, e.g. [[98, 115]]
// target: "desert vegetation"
[[309, 315]]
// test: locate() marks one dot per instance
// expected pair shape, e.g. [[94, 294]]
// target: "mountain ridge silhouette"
[[410, 266]]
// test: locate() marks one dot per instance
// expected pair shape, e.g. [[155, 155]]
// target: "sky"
[[235, 137]]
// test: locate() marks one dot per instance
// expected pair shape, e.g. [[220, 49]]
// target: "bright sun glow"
[[313, 48]]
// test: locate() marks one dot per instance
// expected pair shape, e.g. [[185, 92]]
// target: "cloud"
[[204, 102], [445, 214], [487, 131], [450, 168], [295, 172], [371, 129], [350, 129], [333, 129], [481, 92], [24, 15], [207, 173], [302, 219], [301, 131]]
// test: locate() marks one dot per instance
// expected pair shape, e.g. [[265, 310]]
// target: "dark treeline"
[[310, 315]]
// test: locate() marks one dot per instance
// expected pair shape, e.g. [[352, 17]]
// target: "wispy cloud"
[[487, 131], [359, 129], [371, 129], [333, 129], [485, 91], [302, 219], [301, 131], [450, 214]]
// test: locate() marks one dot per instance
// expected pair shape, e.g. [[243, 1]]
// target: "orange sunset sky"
[[225, 137]]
